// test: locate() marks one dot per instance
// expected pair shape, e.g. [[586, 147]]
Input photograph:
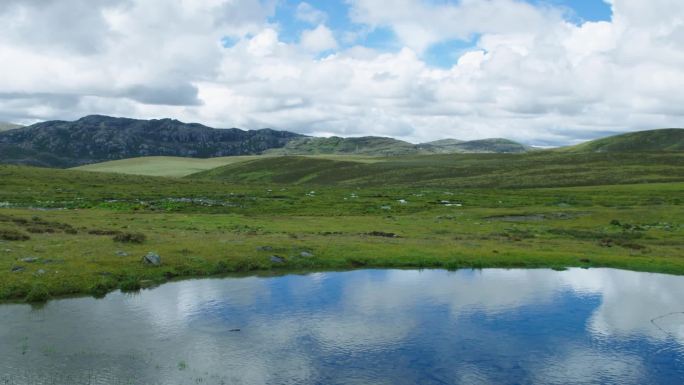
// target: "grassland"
[[173, 166], [59, 228], [536, 169], [667, 139]]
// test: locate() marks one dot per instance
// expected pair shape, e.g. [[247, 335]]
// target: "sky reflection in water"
[[360, 327]]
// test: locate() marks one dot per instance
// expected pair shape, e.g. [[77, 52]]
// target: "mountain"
[[98, 138], [4, 126], [367, 145], [668, 139]]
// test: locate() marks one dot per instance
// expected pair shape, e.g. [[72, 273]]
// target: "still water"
[[491, 326]]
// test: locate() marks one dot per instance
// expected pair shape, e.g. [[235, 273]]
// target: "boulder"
[[277, 259], [152, 259]]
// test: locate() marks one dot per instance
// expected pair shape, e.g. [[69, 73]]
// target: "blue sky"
[[443, 54]]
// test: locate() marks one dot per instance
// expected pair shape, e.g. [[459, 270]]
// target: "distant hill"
[[100, 138], [669, 139], [4, 126], [495, 145], [367, 145], [382, 146]]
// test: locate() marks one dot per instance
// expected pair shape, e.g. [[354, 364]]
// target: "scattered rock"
[[277, 259], [29, 260], [264, 248], [121, 253], [152, 259], [17, 269], [306, 254]]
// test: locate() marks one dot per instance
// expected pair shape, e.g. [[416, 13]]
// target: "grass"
[[669, 139], [86, 232], [536, 169], [170, 166], [204, 227]]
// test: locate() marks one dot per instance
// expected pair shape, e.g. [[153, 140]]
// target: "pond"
[[360, 327]]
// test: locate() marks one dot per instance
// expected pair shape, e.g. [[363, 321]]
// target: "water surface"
[[360, 327]]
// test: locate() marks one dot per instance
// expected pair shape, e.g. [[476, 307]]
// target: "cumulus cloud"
[[308, 13], [319, 39], [530, 74]]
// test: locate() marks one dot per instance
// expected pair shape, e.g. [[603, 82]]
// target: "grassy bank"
[[72, 233]]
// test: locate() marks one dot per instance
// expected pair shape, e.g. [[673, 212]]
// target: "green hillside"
[[536, 169], [382, 146], [670, 139], [171, 166], [368, 145], [494, 145]]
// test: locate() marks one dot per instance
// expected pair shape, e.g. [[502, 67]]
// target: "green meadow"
[[173, 166], [71, 232]]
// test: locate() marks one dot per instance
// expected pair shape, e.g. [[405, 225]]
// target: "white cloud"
[[420, 24], [307, 13], [319, 39], [530, 76]]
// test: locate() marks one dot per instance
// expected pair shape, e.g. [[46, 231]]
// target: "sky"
[[543, 72]]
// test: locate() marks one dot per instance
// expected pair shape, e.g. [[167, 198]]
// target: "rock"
[[17, 269], [40, 272], [7, 250], [277, 259], [305, 254], [264, 248], [29, 260], [121, 253], [152, 259]]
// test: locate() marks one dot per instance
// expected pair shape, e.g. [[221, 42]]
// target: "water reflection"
[[366, 327]]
